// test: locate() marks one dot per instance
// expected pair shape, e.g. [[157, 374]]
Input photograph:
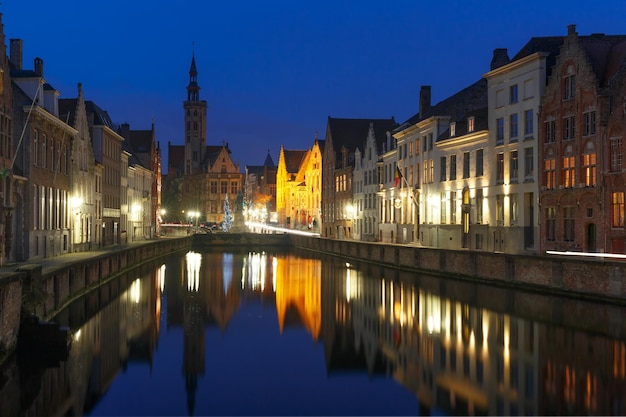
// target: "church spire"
[[193, 90]]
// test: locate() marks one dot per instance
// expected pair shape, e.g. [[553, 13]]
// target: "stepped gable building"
[[583, 126], [85, 191], [343, 138], [42, 165], [287, 182], [200, 176], [260, 193], [299, 186]]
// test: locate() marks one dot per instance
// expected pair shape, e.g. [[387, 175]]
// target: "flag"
[[397, 177]]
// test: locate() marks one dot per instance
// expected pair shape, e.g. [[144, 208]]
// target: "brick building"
[[583, 117]]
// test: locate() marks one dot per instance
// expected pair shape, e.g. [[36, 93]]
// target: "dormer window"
[[470, 124], [452, 129]]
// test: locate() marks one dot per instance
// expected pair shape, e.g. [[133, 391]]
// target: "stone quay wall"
[[43, 289], [589, 278]]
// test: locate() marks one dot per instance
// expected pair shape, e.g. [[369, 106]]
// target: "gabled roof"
[[548, 44], [293, 160], [606, 53], [67, 110], [100, 117], [211, 153], [352, 133], [141, 140], [133, 159], [269, 162]]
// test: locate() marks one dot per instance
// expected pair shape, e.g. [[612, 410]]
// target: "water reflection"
[[454, 347]]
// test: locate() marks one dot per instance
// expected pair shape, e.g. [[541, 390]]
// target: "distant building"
[[343, 138], [260, 187], [299, 187], [200, 176]]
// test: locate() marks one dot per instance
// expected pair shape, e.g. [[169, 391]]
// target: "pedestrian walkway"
[[52, 263]]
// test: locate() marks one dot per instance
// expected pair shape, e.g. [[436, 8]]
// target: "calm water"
[[256, 333]]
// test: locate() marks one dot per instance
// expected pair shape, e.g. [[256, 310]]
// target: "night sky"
[[273, 71]]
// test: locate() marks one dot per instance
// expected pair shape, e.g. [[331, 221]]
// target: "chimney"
[[571, 30], [15, 52], [39, 67], [424, 100], [500, 58]]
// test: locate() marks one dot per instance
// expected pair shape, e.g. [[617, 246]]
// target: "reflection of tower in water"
[[193, 328]]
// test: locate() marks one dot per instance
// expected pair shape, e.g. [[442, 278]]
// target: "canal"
[[291, 333]]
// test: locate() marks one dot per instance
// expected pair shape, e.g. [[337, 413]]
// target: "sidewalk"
[[50, 264]]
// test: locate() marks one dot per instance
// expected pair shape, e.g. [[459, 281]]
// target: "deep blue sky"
[[273, 71]]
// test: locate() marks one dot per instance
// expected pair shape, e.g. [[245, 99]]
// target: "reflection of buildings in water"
[[349, 324], [104, 339], [298, 293], [573, 384]]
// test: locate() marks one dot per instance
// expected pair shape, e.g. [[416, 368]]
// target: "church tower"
[[195, 123]]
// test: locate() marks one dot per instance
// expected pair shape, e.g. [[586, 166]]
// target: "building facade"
[[582, 117]]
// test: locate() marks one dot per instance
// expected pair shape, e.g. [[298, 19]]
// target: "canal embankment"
[[587, 278], [42, 288]]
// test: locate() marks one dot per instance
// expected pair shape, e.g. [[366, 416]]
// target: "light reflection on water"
[[259, 333]]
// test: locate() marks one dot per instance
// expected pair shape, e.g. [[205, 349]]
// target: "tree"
[[228, 216]]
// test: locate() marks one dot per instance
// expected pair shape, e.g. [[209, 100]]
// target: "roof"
[[176, 157], [211, 153], [549, 44], [67, 110], [141, 140], [481, 122], [456, 106], [293, 160], [99, 117], [351, 134]]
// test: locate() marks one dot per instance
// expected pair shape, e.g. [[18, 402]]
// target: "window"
[[430, 141], [568, 224], [36, 148], [550, 173], [529, 165], [590, 123], [550, 132], [500, 98], [589, 165], [616, 154], [499, 131], [500, 168], [466, 164], [513, 210], [479, 205], [513, 127], [452, 167], [442, 214], [551, 224], [224, 187], [452, 129], [500, 209], [234, 187], [470, 124], [617, 205], [44, 155], [569, 85], [442, 169], [513, 94], [431, 171], [513, 167], [452, 207], [529, 87], [528, 122], [213, 187], [417, 146], [479, 162], [569, 168], [568, 128]]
